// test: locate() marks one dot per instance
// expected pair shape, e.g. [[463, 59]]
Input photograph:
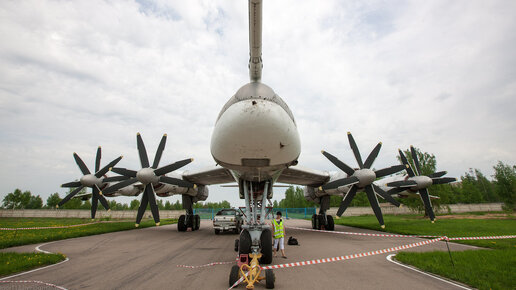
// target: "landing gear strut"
[[189, 220], [256, 236], [322, 221]]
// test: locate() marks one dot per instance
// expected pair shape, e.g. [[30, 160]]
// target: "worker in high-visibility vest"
[[278, 232]]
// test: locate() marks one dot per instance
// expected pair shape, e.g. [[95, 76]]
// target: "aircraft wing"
[[208, 176], [303, 176]]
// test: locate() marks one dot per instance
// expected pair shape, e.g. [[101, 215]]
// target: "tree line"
[[473, 187], [26, 200]]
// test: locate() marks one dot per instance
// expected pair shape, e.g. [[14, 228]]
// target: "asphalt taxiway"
[[148, 258]]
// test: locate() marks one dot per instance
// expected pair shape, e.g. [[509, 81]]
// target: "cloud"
[[75, 75]]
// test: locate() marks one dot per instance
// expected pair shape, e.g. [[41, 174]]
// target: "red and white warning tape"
[[57, 227], [408, 236], [354, 256], [482, 238], [35, 282], [366, 234], [205, 265]]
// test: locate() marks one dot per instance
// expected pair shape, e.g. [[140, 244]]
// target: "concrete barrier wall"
[[165, 214], [81, 213], [451, 208]]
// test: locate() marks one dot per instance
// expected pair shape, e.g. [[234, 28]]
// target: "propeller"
[[362, 179], [418, 182], [149, 176], [93, 181]]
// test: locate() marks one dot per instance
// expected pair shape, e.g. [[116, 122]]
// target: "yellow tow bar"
[[251, 273]]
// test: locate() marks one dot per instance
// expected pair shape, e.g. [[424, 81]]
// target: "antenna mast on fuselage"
[[255, 40]]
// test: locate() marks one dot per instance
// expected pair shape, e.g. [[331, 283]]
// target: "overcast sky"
[[440, 75]]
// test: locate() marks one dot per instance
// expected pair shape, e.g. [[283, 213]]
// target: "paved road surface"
[[148, 259]]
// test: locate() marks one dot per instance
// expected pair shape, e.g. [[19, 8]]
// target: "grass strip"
[[483, 269], [17, 262], [27, 237]]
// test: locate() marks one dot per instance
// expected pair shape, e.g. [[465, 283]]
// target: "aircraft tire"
[[244, 246], [266, 246], [181, 227], [331, 223]]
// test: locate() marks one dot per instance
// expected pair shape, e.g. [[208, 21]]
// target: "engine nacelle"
[[199, 193], [314, 193], [130, 190]]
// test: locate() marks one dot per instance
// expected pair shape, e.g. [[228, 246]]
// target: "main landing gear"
[[322, 221], [189, 220], [255, 240]]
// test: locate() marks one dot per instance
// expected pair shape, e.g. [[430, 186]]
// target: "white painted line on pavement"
[[389, 258], [38, 269]]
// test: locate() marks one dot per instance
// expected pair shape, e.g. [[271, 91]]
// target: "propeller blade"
[[97, 159], [437, 174], [386, 196], [341, 165], [102, 199], [402, 183], [172, 167], [114, 178], [373, 201], [372, 156], [72, 184], [425, 197], [354, 147], [416, 161], [340, 182], [410, 172], [152, 202], [123, 171], [389, 170], [175, 181], [443, 180], [81, 164], [106, 168], [70, 195], [395, 190], [159, 152], [144, 160], [347, 200], [120, 185], [143, 206], [94, 202]]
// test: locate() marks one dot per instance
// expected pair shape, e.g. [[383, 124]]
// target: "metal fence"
[[295, 213]]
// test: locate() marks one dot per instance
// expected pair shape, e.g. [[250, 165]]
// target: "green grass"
[[25, 237], [15, 262], [483, 269]]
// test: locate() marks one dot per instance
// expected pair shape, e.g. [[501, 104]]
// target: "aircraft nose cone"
[[255, 129]]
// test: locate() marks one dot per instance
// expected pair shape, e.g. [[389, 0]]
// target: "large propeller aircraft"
[[255, 143]]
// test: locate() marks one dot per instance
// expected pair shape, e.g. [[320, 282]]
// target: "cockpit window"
[[275, 99]]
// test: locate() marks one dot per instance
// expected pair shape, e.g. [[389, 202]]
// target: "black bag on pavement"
[[292, 241]]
